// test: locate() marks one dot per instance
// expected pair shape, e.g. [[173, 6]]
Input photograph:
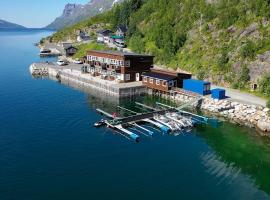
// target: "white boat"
[[180, 119], [167, 122]]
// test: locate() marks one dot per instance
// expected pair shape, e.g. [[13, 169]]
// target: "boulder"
[[263, 126]]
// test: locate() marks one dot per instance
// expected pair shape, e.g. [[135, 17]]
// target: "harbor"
[[168, 119]]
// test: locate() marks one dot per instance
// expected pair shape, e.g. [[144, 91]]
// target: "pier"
[[168, 119]]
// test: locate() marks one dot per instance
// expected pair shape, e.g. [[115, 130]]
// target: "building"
[[197, 86], [218, 93], [117, 41], [121, 31], [70, 51], [82, 36], [163, 80], [103, 36], [122, 66]]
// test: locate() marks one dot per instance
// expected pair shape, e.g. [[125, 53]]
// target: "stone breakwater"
[[249, 115]]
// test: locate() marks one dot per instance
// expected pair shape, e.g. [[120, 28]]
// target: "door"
[[137, 76]]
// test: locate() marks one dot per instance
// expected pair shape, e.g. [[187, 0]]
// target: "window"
[[164, 83], [151, 80], [127, 77], [145, 79], [127, 63], [171, 83], [157, 82]]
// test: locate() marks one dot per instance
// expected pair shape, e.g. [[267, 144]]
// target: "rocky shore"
[[249, 115]]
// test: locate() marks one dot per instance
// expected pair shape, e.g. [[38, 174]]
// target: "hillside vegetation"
[[225, 41]]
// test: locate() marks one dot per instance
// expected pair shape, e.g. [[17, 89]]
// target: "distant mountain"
[[74, 13], [8, 25]]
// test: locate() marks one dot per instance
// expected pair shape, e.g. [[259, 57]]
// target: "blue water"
[[49, 149]]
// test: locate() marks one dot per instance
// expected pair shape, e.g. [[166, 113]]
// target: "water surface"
[[49, 149]]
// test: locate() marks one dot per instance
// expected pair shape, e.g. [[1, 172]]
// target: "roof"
[[197, 81], [122, 28], [119, 53], [117, 37], [105, 32], [70, 47], [159, 76]]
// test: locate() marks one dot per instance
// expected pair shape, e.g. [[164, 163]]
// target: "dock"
[[166, 121]]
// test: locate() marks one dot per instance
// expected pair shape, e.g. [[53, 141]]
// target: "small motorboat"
[[99, 123]]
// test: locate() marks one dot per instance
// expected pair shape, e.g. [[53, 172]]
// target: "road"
[[243, 97]]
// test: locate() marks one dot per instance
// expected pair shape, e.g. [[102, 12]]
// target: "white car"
[[77, 61], [61, 62]]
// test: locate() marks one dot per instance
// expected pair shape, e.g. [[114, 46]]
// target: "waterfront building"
[[122, 66], [197, 86], [164, 80]]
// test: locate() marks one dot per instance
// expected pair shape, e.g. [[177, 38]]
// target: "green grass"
[[83, 48]]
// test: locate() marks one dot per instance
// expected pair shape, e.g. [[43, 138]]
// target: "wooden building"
[[70, 51], [126, 67], [163, 80]]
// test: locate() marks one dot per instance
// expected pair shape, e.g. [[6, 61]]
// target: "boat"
[[167, 122], [180, 119], [100, 123], [45, 51]]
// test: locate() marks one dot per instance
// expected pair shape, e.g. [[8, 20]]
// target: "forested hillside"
[[225, 41]]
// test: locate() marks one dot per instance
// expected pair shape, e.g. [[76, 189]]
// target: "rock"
[[266, 110], [263, 126]]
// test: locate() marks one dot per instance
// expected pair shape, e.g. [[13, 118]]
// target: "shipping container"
[[218, 94], [197, 86]]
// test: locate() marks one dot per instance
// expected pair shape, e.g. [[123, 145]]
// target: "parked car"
[[62, 62], [77, 61]]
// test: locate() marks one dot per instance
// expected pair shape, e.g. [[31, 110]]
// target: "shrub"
[[264, 85], [268, 103]]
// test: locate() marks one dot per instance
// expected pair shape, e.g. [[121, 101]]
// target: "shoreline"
[[252, 116]]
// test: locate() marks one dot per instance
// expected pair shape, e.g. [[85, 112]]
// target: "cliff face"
[[8, 25], [74, 13]]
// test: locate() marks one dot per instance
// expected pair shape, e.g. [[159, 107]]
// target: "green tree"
[[264, 85]]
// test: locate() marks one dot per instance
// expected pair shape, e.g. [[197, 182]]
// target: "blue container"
[[197, 86], [218, 94]]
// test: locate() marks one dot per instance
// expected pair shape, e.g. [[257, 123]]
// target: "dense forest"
[[220, 40]]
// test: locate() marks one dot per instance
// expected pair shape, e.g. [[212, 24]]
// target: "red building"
[[163, 80], [122, 66]]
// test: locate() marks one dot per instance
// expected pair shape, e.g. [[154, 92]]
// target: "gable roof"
[[71, 47], [105, 32], [159, 76], [119, 53], [122, 28]]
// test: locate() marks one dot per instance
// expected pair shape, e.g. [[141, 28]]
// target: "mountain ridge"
[[9, 25], [74, 13]]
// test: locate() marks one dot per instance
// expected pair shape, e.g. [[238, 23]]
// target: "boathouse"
[[164, 80], [122, 66]]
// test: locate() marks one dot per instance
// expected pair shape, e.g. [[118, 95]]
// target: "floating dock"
[[177, 121]]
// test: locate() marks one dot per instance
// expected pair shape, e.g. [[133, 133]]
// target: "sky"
[[33, 13]]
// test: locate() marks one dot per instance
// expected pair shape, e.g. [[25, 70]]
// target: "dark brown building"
[[123, 66], [163, 80], [70, 51]]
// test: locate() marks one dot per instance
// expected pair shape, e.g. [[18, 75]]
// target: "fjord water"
[[49, 149]]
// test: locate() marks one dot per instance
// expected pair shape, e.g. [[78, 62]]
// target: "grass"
[[83, 48]]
